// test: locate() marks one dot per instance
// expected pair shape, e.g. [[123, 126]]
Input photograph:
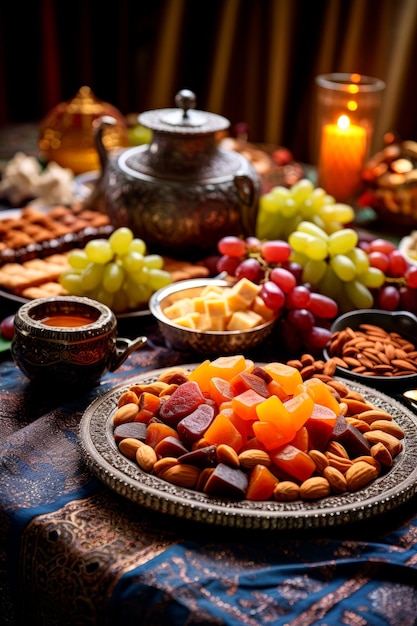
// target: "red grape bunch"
[[399, 290], [304, 315]]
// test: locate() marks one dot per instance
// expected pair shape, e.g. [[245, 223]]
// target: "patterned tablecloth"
[[74, 552]]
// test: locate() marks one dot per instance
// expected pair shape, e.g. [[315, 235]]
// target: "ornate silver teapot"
[[181, 192]]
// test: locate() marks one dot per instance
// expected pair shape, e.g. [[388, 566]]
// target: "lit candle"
[[341, 159]]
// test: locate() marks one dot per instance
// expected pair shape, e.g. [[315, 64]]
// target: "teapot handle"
[[124, 347], [99, 126], [247, 195]]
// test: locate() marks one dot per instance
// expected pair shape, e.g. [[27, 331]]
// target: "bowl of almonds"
[[375, 347]]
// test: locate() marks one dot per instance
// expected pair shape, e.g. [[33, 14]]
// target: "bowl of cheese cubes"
[[212, 316]]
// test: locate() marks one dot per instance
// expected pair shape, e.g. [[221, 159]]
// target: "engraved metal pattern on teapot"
[[179, 219]]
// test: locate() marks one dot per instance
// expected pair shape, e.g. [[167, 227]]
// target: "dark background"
[[49, 49]]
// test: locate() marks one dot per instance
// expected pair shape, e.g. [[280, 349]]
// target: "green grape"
[[120, 301], [280, 195], [360, 259], [113, 277], [342, 241], [132, 261], [92, 276], [359, 295], [373, 278], [99, 251], [302, 189], [307, 209], [313, 247], [78, 259], [343, 267], [120, 240], [137, 245], [316, 219], [137, 294], [336, 211], [289, 208], [268, 224], [313, 271], [158, 278], [299, 257], [105, 297], [141, 276], [330, 285], [71, 281], [153, 261], [312, 229]]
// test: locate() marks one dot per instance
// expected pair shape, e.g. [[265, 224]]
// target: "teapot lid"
[[185, 119]]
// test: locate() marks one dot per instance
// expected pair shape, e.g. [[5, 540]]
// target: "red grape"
[[382, 245], [301, 318], [227, 264], [276, 251], [298, 298], [7, 328], [283, 278], [317, 338], [250, 269], [272, 295], [379, 259], [397, 264], [232, 246], [323, 306], [411, 276], [253, 244], [408, 299], [388, 298]]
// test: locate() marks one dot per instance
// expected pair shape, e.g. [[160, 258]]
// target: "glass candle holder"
[[347, 105]]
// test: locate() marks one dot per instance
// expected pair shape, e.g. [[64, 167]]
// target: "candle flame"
[[343, 122]]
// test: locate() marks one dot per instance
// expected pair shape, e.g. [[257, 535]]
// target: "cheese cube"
[[216, 307], [211, 291], [259, 306], [188, 321], [244, 320], [179, 309], [247, 290]]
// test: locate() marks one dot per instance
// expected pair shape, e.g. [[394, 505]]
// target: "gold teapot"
[[67, 132]]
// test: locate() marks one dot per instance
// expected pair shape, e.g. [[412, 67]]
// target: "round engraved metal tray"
[[125, 477]]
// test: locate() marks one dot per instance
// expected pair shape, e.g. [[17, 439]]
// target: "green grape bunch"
[[282, 209], [116, 271], [335, 265]]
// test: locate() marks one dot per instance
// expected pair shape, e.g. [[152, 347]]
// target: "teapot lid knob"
[[185, 99], [185, 115], [185, 119]]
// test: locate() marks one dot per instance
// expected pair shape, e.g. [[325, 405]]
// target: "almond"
[[373, 414], [129, 446], [393, 444], [321, 461], [381, 454], [128, 397], [359, 475], [162, 464], [228, 455], [182, 475], [336, 479], [146, 457], [338, 462], [286, 491], [336, 448], [314, 488], [125, 413], [388, 426], [250, 458]]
